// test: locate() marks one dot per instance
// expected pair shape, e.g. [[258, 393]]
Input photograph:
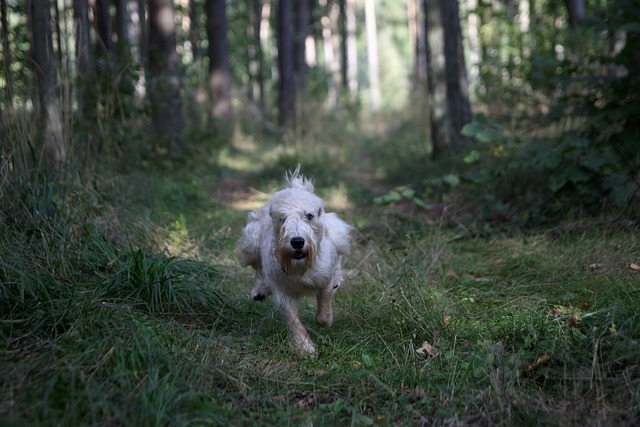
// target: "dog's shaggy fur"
[[296, 250]]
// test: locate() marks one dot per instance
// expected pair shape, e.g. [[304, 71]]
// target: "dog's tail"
[[296, 180]]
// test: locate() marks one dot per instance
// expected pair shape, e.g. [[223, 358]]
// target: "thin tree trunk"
[[473, 31], [194, 36], [257, 64], [372, 53], [219, 69], [352, 53], [437, 81], [102, 19], [456, 72], [53, 145], [286, 95], [6, 57], [85, 74], [302, 17], [576, 10], [330, 61], [163, 82]]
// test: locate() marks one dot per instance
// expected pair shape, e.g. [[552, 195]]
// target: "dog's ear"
[[338, 232]]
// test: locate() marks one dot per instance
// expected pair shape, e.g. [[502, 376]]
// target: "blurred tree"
[[576, 10], [102, 20], [84, 58], [459, 106], [255, 88], [302, 16], [286, 94], [437, 80], [350, 65], [163, 82], [219, 70], [53, 145], [6, 57], [372, 53], [331, 62]]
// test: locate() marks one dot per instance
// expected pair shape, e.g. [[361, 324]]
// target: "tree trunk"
[[194, 35], [102, 19], [6, 57], [473, 31], [331, 62], [84, 96], [456, 73], [256, 67], [372, 53], [576, 10], [286, 95], [302, 17], [219, 70], [352, 53], [437, 80], [163, 82], [50, 116]]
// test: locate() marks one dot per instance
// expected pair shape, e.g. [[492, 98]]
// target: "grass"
[[122, 302]]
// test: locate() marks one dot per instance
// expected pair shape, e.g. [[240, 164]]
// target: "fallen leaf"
[[307, 402], [451, 273], [573, 320], [427, 350], [634, 266], [585, 305], [595, 266], [539, 362], [446, 320]]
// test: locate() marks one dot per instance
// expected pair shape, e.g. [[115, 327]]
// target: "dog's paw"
[[260, 291], [324, 319], [306, 348], [258, 296]]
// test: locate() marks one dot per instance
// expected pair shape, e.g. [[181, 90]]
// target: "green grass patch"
[[122, 302]]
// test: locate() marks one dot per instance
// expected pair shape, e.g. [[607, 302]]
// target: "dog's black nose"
[[297, 243]]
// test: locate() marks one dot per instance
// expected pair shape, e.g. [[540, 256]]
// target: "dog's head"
[[297, 223]]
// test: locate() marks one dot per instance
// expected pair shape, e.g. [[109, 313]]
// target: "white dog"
[[296, 250]]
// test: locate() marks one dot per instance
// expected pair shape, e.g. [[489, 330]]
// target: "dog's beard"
[[295, 261]]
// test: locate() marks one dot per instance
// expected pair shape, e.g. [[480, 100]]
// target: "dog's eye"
[[309, 217]]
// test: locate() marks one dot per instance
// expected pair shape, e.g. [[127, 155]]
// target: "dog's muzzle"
[[297, 243]]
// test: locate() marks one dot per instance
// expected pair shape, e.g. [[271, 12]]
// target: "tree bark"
[[302, 17], [459, 106], [163, 82], [219, 69], [372, 53], [352, 54], [102, 20], [437, 80], [53, 152], [576, 10], [286, 95], [6, 57], [85, 70]]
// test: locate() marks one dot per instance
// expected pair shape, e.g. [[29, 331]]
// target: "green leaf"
[[452, 180], [472, 157], [486, 136], [471, 129]]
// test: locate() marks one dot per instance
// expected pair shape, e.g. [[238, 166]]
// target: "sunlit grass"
[[128, 305]]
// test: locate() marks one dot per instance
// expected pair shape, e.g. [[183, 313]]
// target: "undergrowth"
[[122, 302]]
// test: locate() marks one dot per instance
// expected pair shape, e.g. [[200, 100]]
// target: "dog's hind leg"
[[299, 334]]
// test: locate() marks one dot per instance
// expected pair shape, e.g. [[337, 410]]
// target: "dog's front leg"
[[324, 312], [299, 334]]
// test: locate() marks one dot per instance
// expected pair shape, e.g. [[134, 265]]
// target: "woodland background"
[[486, 152]]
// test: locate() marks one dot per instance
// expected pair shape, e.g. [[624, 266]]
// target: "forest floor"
[[124, 303]]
